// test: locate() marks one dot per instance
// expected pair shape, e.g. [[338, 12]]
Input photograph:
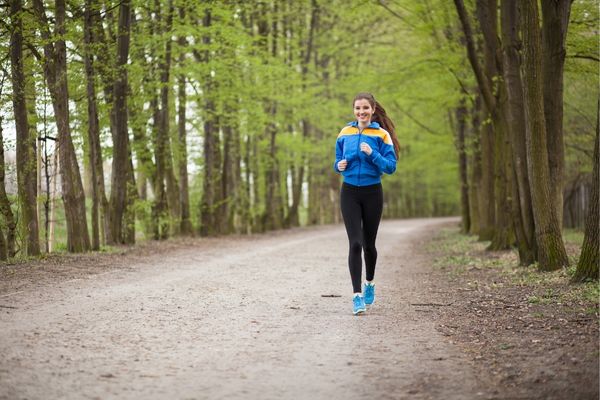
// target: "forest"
[[127, 121]]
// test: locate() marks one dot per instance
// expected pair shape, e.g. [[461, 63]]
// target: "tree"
[[186, 227], [523, 220], [118, 194], [8, 242], [95, 150], [552, 254], [26, 144], [555, 21], [55, 73], [589, 261]]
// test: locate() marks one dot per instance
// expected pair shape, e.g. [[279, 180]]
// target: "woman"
[[365, 149]]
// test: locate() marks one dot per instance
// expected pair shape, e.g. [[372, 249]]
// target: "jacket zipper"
[[358, 154]]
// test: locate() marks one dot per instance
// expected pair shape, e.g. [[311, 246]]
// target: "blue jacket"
[[364, 170]]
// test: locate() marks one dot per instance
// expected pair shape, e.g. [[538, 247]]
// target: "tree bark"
[[9, 218], [487, 16], [461, 112], [552, 254], [26, 143], [211, 194], [55, 72], [488, 155], [186, 227], [589, 260], [524, 225], [555, 21], [118, 195], [475, 185], [172, 189], [95, 154]]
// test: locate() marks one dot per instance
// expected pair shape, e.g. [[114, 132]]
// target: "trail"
[[244, 319]]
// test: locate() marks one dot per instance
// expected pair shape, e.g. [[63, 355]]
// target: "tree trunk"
[[552, 254], [487, 16], [524, 226], [93, 124], [163, 134], [9, 219], [184, 198], [26, 143], [461, 112], [475, 185], [118, 194], [587, 267], [555, 21], [211, 194], [186, 227], [55, 72], [488, 195], [231, 167]]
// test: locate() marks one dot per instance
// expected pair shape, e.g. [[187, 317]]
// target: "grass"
[[460, 253]]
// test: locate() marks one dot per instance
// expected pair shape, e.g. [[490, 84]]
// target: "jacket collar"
[[372, 125]]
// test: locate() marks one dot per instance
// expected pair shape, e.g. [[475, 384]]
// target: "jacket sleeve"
[[384, 158], [339, 153]]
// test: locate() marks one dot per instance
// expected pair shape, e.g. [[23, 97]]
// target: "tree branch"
[[416, 121], [584, 56], [383, 4], [486, 91]]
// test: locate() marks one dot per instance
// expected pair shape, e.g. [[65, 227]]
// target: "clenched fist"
[[365, 148], [342, 165]]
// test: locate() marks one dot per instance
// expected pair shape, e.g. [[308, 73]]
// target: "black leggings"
[[361, 208]]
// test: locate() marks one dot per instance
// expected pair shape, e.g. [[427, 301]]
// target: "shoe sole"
[[359, 311]]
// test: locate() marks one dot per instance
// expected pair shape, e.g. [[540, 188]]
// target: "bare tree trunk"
[[26, 143], [516, 126], [55, 72], [273, 215], [93, 124], [9, 219], [552, 254], [184, 198], [130, 197], [461, 112], [555, 21], [163, 134], [307, 55], [475, 185], [488, 195], [487, 16], [589, 260], [186, 227], [211, 194], [231, 168], [118, 195]]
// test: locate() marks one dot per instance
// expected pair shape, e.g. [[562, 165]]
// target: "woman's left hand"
[[365, 148]]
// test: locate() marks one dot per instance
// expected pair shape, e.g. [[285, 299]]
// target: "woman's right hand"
[[342, 165]]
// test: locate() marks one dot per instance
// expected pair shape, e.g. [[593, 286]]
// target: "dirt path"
[[243, 318]]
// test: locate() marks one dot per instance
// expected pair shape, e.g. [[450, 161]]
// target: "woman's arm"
[[384, 157]]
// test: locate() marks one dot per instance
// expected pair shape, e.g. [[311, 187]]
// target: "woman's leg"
[[372, 209], [351, 211]]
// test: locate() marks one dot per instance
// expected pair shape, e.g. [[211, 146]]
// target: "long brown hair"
[[381, 117]]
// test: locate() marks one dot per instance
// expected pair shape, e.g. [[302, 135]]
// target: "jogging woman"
[[365, 149]]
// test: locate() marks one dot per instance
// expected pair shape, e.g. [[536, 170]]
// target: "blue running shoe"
[[369, 291], [359, 304]]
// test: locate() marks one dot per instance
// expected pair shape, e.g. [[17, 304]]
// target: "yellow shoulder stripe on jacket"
[[348, 130], [382, 133]]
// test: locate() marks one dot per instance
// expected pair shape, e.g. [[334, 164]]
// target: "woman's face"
[[363, 110]]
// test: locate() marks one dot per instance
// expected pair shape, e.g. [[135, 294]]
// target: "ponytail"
[[381, 117], [386, 123]]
